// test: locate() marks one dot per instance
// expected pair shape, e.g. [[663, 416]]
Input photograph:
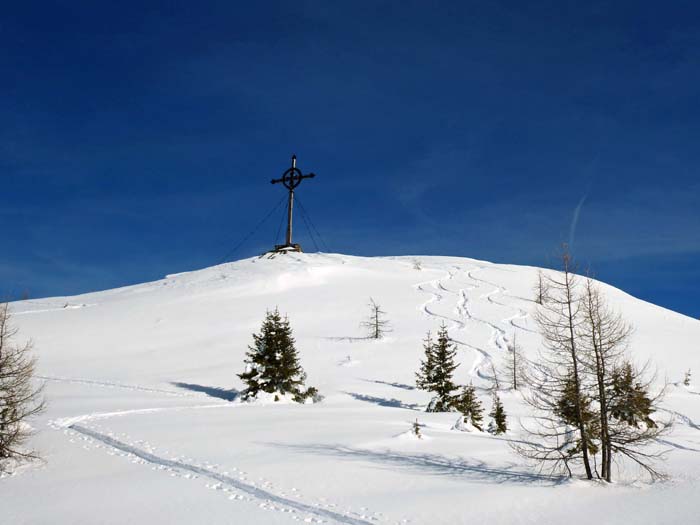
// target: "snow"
[[143, 424]]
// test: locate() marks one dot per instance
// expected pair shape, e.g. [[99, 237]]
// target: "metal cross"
[[290, 180]]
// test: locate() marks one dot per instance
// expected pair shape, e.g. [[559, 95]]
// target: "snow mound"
[[139, 383]]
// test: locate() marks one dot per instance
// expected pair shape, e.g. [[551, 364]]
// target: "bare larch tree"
[[541, 288], [514, 365], [19, 397], [376, 323], [620, 390], [561, 435]]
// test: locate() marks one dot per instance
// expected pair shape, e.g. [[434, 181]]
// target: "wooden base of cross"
[[284, 248], [290, 179]]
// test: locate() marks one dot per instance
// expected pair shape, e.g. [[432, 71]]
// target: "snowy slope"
[[141, 428]]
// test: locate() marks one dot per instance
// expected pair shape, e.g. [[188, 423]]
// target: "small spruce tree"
[[416, 429], [498, 416], [272, 362], [470, 407], [436, 371], [686, 378], [425, 376]]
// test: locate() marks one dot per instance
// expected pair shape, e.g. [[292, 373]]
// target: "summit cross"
[[290, 180]]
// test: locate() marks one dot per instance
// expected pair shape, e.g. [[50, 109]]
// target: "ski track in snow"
[[109, 384], [67, 422], [65, 307], [269, 501], [498, 340], [685, 419]]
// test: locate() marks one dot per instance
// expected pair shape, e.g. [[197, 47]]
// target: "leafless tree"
[[561, 433], [604, 338], [541, 288], [515, 365], [376, 323], [496, 383], [620, 390], [19, 398]]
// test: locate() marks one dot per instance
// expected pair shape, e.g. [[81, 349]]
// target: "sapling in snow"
[[416, 429], [498, 416], [376, 323]]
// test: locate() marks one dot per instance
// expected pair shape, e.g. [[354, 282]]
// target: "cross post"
[[290, 180]]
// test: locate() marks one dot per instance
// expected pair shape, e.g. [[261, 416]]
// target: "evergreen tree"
[[436, 371], [498, 414], [272, 362], [686, 378], [568, 411], [416, 429], [629, 399], [470, 407], [425, 376]]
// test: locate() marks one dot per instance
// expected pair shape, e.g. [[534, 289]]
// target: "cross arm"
[[300, 177]]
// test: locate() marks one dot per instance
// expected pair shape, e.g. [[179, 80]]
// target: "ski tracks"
[[498, 339], [240, 488], [109, 384], [227, 483]]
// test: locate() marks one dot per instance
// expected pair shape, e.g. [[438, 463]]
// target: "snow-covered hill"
[[140, 426]]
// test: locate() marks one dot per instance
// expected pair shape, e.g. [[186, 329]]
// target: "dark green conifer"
[[498, 414], [436, 371], [629, 399], [424, 377], [469, 405], [566, 409], [272, 362]]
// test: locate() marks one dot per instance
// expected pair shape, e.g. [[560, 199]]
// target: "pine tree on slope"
[[498, 414], [470, 407], [629, 399], [272, 363], [424, 377], [566, 409], [436, 371]]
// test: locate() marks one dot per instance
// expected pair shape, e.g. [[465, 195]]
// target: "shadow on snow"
[[433, 464], [211, 391], [384, 402], [402, 386]]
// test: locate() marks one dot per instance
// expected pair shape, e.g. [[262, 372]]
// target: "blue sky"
[[139, 141]]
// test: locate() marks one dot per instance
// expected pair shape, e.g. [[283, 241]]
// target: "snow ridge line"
[[222, 478]]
